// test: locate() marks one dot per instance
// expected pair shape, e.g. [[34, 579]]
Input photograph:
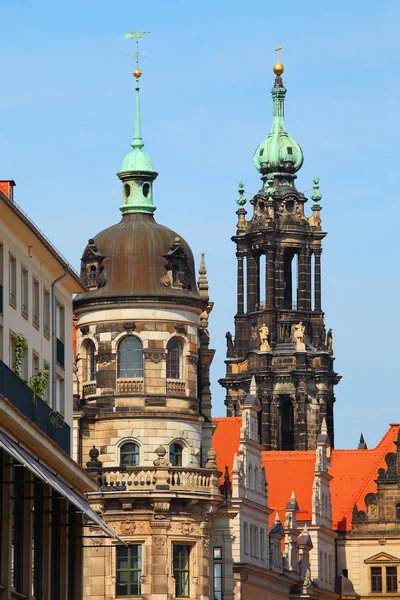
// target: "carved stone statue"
[[322, 338], [230, 346], [264, 333], [329, 340], [298, 335]]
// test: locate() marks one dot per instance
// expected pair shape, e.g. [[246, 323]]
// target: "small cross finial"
[[278, 50]]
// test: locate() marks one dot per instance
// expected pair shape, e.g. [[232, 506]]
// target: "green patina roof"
[[278, 152]]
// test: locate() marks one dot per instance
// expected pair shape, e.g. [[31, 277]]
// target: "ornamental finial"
[[278, 66], [241, 200], [316, 197], [136, 35]]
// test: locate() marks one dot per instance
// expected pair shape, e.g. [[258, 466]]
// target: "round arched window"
[[90, 364], [174, 359], [130, 455], [130, 357], [175, 455]]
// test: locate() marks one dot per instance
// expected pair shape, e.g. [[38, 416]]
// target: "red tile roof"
[[353, 471]]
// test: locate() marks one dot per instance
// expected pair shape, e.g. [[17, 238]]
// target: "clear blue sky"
[[66, 120]]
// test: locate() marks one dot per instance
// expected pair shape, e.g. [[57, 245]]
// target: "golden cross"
[[278, 50]]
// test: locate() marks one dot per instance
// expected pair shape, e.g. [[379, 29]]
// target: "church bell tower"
[[280, 334]]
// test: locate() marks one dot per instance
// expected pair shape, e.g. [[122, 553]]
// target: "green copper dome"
[[278, 152]]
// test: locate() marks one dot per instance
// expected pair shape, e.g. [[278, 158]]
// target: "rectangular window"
[[13, 281], [36, 303], [376, 579], [391, 580], [262, 544], [217, 574], [35, 363], [59, 404], [246, 538], [60, 332], [181, 554], [46, 312], [24, 291], [11, 351], [129, 571]]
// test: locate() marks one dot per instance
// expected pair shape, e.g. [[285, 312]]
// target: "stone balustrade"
[[177, 387], [89, 389], [139, 478], [130, 385]]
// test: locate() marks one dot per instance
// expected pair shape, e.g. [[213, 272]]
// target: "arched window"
[[397, 511], [287, 425], [130, 455], [90, 364], [174, 359], [130, 357], [175, 455]]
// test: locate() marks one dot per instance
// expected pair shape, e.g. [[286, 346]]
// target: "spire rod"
[[137, 141]]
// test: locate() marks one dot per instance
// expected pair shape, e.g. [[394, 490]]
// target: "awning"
[[57, 484]]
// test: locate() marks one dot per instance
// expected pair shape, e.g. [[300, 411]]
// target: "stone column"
[[252, 295], [265, 422], [270, 278], [308, 280], [301, 276], [279, 278], [274, 425], [317, 279], [240, 284], [301, 418], [28, 528]]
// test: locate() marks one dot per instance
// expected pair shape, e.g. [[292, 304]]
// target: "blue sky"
[[66, 121]]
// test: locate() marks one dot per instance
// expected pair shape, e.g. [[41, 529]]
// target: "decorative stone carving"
[[176, 387], [329, 340], [159, 541], [129, 326], [161, 461], [193, 359], [264, 333], [130, 386], [160, 510], [211, 460], [155, 355], [298, 335], [94, 463]]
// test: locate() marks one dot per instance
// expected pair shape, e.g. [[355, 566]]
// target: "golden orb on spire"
[[137, 73]]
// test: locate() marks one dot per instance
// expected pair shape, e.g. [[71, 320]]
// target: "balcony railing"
[[20, 395], [133, 385], [89, 389], [139, 478], [177, 387]]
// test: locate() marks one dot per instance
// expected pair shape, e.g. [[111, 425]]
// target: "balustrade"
[[137, 478], [130, 386]]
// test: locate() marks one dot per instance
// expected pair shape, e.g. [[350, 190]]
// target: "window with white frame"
[[46, 312], [12, 285], [36, 302], [217, 574]]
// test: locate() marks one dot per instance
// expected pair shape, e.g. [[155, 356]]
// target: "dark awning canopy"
[[57, 484]]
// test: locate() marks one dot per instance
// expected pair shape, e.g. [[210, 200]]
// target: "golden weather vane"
[[136, 36]]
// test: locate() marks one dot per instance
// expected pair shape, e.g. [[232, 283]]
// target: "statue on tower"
[[264, 333], [298, 335]]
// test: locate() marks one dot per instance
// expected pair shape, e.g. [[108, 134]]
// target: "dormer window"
[[177, 273], [91, 266]]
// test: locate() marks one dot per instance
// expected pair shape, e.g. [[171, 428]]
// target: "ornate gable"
[[382, 558]]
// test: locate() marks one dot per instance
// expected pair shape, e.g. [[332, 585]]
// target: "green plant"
[[20, 344], [38, 383]]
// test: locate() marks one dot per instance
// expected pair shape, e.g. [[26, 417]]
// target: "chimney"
[[7, 188]]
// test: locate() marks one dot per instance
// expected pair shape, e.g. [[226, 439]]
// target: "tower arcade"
[[280, 334]]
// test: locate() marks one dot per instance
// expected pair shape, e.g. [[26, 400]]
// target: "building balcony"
[[138, 479], [20, 395], [89, 389]]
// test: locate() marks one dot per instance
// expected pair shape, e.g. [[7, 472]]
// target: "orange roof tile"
[[354, 472]]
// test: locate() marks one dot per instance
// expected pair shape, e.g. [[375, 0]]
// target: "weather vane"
[[278, 50], [136, 35]]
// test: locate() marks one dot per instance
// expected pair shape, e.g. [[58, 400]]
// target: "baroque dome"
[[138, 258]]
